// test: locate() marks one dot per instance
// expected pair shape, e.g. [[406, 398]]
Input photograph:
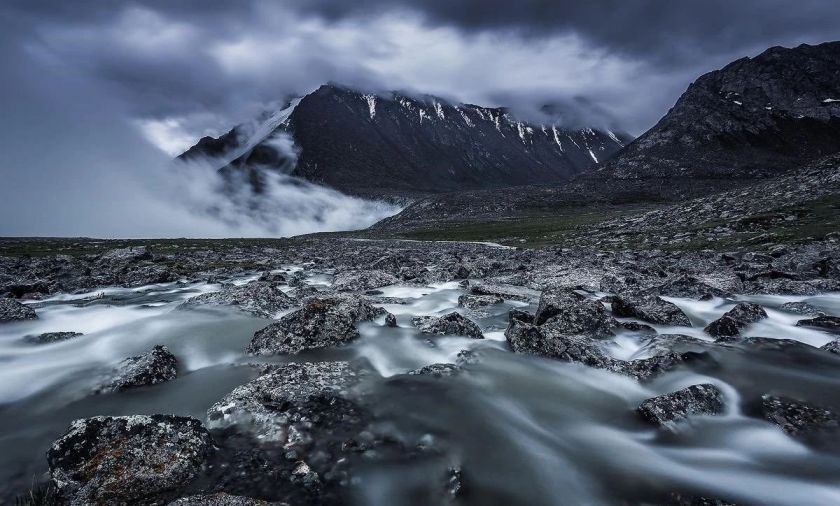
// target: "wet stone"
[[478, 301], [258, 298], [668, 409], [650, 309], [798, 418], [362, 280], [828, 323], [452, 324], [127, 459], [51, 337], [156, 366], [321, 323], [12, 310], [731, 323], [570, 313], [219, 499]]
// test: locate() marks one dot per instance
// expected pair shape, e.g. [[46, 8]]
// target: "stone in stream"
[[689, 287], [156, 366], [51, 337], [470, 301], [570, 313], [828, 323], [361, 280], [390, 320], [802, 308], [451, 324], [798, 418], [437, 370], [651, 309], [12, 310], [220, 499], [135, 459], [321, 323], [258, 298], [668, 409], [731, 323], [833, 347]]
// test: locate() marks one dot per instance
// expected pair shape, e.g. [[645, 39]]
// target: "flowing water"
[[524, 430]]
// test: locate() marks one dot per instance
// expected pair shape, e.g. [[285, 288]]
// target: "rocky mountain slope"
[[396, 144], [753, 118]]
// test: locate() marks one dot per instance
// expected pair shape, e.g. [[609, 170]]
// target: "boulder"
[[668, 409], [127, 459], [451, 324], [833, 347], [321, 323], [258, 298], [731, 323], [219, 499], [687, 287], [156, 366], [651, 309], [390, 320], [798, 418], [277, 405], [51, 337], [12, 310], [569, 313], [828, 323], [524, 337], [362, 280]]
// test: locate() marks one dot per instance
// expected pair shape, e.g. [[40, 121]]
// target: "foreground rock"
[[321, 323], [651, 309], [258, 298], [127, 460], [829, 323], [833, 347], [734, 320], [151, 368], [471, 301], [219, 499], [570, 313], [798, 418], [12, 310], [51, 337], [452, 324], [669, 409]]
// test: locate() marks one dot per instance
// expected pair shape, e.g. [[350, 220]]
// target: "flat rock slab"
[[668, 409], [259, 298], [829, 323], [127, 459], [51, 337]]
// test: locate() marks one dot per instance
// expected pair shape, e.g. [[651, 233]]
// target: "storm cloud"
[[95, 92]]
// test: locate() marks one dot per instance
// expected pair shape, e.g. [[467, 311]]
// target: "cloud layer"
[[97, 95]]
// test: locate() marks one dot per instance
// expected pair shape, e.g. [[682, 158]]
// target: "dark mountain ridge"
[[755, 117], [394, 144]]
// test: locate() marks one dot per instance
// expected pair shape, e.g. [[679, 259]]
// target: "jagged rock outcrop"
[[12, 310], [320, 323], [730, 324], [451, 324], [156, 366], [650, 309]]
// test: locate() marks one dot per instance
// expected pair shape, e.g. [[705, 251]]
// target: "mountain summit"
[[376, 144], [755, 117]]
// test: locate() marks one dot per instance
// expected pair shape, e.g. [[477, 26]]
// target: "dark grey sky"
[[113, 84]]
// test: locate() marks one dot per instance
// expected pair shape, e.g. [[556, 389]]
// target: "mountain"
[[377, 144], [756, 117]]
